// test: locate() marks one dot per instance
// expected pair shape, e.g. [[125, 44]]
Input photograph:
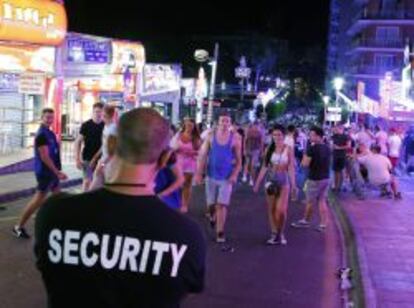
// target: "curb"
[[16, 195], [362, 294], [21, 166]]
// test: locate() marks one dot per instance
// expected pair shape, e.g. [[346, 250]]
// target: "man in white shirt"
[[364, 137], [394, 146], [381, 138], [379, 169], [109, 141]]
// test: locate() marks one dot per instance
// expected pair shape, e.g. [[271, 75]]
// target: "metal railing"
[[366, 14], [378, 43], [67, 151], [371, 69]]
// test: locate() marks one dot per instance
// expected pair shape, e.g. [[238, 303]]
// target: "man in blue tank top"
[[221, 152]]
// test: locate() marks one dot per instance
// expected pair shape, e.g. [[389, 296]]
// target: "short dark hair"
[[376, 148], [224, 114], [143, 135], [47, 110], [98, 105], [280, 128], [291, 128], [318, 131]]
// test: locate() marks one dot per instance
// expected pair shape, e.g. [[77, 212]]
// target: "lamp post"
[[338, 84], [202, 56], [326, 100]]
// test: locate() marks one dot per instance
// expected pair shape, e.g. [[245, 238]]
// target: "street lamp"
[[338, 84], [203, 56], [326, 100]]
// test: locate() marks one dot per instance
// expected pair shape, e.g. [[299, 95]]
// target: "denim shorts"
[[218, 192], [317, 191], [281, 178]]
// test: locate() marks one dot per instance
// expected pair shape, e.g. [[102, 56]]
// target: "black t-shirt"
[[321, 160], [92, 134], [45, 137], [103, 249], [340, 140]]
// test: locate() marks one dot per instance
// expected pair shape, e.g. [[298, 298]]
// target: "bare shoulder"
[[237, 140]]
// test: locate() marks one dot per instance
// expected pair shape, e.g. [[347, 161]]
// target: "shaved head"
[[143, 134]]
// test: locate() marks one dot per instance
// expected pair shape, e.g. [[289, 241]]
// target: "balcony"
[[375, 44], [372, 71], [392, 17]]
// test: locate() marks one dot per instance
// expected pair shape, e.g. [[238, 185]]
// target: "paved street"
[[254, 275], [385, 234]]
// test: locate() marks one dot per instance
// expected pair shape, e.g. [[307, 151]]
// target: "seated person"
[[379, 169]]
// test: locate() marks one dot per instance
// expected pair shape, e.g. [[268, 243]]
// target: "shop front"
[[98, 69], [161, 89], [30, 30]]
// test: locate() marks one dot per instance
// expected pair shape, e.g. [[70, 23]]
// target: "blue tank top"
[[220, 160]]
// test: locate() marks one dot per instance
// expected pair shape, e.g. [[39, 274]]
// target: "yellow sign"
[[32, 21]]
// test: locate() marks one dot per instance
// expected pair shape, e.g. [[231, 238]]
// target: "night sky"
[[303, 22]]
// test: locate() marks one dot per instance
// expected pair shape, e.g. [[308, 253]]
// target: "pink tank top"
[[188, 161]]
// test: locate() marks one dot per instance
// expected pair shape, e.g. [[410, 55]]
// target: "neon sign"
[[32, 21]]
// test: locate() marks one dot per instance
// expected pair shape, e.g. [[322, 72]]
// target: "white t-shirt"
[[395, 144], [378, 167], [290, 141], [364, 138], [382, 138], [109, 130]]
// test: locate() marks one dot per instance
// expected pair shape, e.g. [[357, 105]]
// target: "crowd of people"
[[138, 177]]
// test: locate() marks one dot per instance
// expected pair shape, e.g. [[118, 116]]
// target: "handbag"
[[274, 187]]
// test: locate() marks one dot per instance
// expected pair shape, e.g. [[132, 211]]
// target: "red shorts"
[[394, 161]]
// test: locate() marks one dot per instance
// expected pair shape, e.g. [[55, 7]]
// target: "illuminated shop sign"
[[84, 50], [110, 83], [159, 78], [27, 59], [127, 56], [32, 21]]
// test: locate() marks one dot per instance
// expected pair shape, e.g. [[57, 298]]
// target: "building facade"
[[367, 42]]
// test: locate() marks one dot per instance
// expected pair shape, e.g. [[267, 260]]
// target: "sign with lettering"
[[33, 21], [32, 84], [88, 50]]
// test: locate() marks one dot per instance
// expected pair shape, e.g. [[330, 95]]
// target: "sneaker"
[[321, 228], [244, 179], [398, 196], [385, 194], [220, 239], [272, 240], [301, 224], [251, 183], [2, 208], [282, 240], [20, 232]]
